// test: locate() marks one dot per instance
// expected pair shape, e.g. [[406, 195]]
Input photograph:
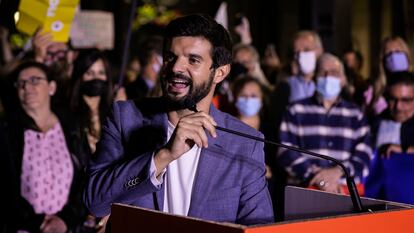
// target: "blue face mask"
[[328, 87], [248, 106], [396, 62]]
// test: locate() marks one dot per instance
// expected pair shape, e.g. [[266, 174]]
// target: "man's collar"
[[319, 100]]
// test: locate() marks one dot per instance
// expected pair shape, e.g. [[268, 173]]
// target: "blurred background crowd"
[[333, 77]]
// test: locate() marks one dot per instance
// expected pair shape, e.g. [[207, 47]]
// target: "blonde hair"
[[380, 82]]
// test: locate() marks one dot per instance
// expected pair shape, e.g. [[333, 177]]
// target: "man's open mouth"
[[179, 83]]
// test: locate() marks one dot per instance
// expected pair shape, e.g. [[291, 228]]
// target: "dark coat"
[[20, 214]]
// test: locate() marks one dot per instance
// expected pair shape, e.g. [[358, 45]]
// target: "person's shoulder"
[[305, 101], [144, 107], [12, 123], [351, 109], [291, 80], [233, 123], [137, 89], [350, 104], [292, 76], [301, 105], [238, 149]]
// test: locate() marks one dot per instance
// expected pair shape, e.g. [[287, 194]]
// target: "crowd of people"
[[55, 99]]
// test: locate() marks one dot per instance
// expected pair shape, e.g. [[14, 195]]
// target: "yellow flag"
[[53, 16]]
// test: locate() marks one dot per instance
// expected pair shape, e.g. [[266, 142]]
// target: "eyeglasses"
[[33, 80]]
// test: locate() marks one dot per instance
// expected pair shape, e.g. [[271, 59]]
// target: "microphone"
[[356, 199]]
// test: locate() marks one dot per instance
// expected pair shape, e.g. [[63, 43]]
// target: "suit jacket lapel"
[[207, 165]]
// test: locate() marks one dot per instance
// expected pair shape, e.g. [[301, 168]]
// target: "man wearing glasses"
[[396, 126]]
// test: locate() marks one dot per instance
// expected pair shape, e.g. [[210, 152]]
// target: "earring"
[[51, 93]]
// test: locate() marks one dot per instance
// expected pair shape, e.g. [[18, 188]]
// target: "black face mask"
[[94, 87]]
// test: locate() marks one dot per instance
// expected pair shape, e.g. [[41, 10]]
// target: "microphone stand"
[[356, 199]]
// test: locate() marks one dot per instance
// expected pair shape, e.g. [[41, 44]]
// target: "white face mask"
[[307, 62]]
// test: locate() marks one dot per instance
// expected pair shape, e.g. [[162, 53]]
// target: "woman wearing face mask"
[[249, 97], [91, 98], [395, 57], [250, 102]]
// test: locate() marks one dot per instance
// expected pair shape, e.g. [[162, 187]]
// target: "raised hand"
[[243, 30], [41, 41], [190, 130]]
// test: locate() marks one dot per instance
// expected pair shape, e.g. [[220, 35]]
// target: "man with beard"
[[159, 154]]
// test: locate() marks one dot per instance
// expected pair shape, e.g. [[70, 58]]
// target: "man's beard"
[[60, 68], [195, 93]]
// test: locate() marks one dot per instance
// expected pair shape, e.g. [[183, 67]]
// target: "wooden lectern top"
[[395, 218]]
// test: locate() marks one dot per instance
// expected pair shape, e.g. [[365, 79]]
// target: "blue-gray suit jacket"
[[229, 186]]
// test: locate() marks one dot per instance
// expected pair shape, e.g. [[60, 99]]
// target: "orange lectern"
[[305, 211]]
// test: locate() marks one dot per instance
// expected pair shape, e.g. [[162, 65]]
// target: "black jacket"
[[19, 212]]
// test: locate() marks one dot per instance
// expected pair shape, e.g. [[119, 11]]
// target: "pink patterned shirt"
[[47, 170]]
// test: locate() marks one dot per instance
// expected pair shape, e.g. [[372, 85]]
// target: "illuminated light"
[[16, 17]]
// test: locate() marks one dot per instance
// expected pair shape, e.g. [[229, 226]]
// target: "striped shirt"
[[340, 132]]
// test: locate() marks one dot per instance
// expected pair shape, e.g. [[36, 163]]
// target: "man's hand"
[[101, 226], [53, 224], [41, 41], [327, 179], [190, 130]]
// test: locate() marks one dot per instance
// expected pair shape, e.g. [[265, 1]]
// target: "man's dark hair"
[[400, 78], [32, 64], [201, 25], [405, 78]]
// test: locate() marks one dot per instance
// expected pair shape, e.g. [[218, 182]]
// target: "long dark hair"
[[83, 62]]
